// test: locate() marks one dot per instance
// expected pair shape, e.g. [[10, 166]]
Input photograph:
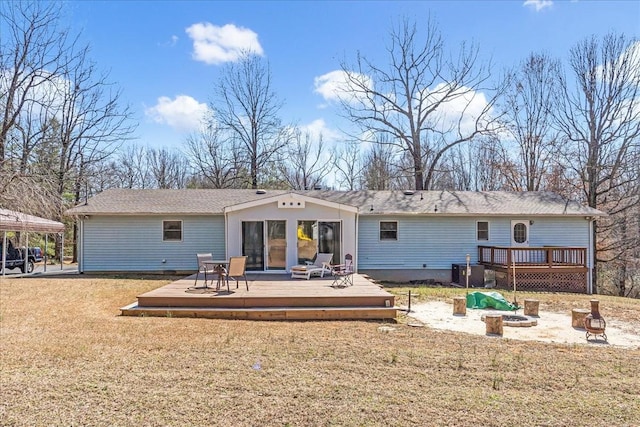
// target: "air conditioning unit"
[[459, 275]]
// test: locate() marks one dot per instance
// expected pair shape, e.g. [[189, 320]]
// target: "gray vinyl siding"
[[573, 232], [437, 242], [431, 243], [134, 243]]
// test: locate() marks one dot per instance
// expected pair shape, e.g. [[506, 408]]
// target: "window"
[[171, 231], [482, 228], [388, 230], [519, 233]]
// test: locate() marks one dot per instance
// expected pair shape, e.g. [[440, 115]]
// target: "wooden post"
[[577, 317], [531, 307], [459, 306], [494, 324]]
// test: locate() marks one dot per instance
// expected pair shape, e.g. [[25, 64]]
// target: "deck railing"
[[547, 256]]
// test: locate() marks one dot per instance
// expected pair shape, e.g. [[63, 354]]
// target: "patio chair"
[[320, 266], [204, 266], [235, 270], [343, 273]]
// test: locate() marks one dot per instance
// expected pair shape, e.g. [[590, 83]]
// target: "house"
[[392, 235]]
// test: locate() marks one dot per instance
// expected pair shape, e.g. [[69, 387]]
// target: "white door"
[[520, 239]]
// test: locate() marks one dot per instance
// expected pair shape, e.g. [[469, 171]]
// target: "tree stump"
[[531, 307], [459, 306], [577, 317], [494, 324]]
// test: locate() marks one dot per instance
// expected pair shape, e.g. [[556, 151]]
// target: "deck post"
[[509, 278]]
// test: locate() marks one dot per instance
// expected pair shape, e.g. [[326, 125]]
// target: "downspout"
[[355, 264], [226, 236]]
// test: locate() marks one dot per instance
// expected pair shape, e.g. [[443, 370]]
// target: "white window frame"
[[164, 239], [488, 232], [380, 238]]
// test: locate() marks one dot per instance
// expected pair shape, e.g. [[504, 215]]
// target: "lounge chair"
[[343, 273], [236, 269], [320, 266]]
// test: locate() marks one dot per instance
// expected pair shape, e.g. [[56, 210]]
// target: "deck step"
[[265, 313]]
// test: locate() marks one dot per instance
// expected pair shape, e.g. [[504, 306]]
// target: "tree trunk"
[[622, 275], [594, 248], [493, 324], [459, 306]]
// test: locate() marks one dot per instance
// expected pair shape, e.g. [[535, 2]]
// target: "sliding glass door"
[[253, 244], [276, 245], [319, 236], [307, 241]]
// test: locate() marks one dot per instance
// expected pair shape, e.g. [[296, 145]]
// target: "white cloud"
[[319, 127], [171, 42], [538, 5], [45, 94], [216, 45], [460, 112], [183, 113], [335, 86]]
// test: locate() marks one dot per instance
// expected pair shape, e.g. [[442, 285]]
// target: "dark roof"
[[194, 202]]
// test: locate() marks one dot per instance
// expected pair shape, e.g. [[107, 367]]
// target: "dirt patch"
[[552, 326]]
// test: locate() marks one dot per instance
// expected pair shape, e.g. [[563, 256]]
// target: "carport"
[[23, 223]]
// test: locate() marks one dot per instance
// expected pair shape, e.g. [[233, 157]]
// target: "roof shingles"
[[207, 202]]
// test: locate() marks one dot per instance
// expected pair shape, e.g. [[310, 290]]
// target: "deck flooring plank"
[[270, 297]]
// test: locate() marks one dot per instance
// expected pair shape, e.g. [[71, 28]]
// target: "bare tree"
[[348, 165], [425, 102], [92, 122], [247, 109], [380, 171], [307, 162], [131, 169], [53, 101], [169, 169], [216, 162], [599, 116], [529, 115], [33, 51]]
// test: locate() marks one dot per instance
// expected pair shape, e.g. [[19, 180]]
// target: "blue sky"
[[166, 56]]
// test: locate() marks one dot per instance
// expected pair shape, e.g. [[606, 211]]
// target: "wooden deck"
[[555, 269], [270, 297]]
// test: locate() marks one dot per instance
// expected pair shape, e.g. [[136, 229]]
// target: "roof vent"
[[409, 192], [261, 191]]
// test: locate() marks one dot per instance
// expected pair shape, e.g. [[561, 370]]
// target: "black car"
[[15, 258]]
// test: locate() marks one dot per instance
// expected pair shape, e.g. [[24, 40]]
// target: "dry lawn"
[[68, 358]]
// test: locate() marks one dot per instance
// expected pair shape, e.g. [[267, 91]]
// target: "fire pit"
[[515, 320], [594, 323]]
